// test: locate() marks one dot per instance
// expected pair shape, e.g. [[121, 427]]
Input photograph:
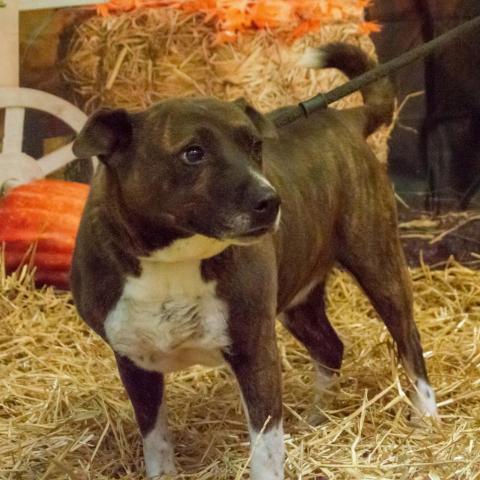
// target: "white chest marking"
[[196, 247], [169, 318]]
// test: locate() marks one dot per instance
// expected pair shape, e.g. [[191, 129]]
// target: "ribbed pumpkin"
[[38, 225]]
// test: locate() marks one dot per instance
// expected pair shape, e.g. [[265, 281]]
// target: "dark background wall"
[[435, 148]]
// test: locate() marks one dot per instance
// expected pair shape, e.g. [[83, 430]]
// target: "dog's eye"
[[193, 155]]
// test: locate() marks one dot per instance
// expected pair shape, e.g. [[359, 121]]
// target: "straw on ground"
[[64, 413]]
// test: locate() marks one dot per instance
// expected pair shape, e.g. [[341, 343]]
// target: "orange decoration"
[[235, 19], [225, 36], [271, 13], [294, 18], [367, 28], [304, 28], [38, 226], [364, 3]]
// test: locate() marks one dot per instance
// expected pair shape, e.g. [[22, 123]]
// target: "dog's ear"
[[263, 124], [105, 133]]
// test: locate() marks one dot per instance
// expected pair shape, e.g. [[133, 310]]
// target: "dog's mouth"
[[239, 232], [252, 235], [256, 232]]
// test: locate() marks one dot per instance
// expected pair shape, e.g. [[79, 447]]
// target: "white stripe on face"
[[277, 220], [158, 449], [260, 178], [267, 454]]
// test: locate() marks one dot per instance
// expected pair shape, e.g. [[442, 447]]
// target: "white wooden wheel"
[[17, 167]]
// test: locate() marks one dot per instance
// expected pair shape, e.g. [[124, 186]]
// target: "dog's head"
[[195, 164]]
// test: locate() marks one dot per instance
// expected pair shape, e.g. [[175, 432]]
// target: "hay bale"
[[134, 59], [65, 415]]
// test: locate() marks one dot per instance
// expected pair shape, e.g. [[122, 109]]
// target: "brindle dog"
[[184, 255]]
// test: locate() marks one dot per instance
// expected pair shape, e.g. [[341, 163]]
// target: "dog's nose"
[[265, 207], [269, 201]]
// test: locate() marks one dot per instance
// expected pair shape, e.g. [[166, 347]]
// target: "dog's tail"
[[378, 97]]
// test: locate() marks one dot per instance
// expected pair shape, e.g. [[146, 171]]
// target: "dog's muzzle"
[[264, 211], [261, 217]]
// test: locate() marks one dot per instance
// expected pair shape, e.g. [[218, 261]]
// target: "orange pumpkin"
[[38, 225]]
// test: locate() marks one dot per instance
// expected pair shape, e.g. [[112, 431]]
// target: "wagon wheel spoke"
[[15, 164], [59, 158], [56, 159], [13, 129]]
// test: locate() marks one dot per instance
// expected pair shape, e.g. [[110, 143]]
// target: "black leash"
[[322, 100]]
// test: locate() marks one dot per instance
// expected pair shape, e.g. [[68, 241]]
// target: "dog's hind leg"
[[308, 322], [379, 266]]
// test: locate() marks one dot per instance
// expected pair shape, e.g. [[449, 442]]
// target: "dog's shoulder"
[[99, 267]]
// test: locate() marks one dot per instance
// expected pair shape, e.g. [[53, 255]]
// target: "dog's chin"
[[250, 237], [234, 236]]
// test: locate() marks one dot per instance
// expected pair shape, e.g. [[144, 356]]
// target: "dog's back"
[[339, 182]]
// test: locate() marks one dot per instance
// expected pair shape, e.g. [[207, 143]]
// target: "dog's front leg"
[[257, 370], [145, 390]]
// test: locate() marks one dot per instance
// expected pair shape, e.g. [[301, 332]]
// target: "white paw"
[[158, 453], [315, 417], [423, 399], [162, 464], [324, 380], [267, 454]]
